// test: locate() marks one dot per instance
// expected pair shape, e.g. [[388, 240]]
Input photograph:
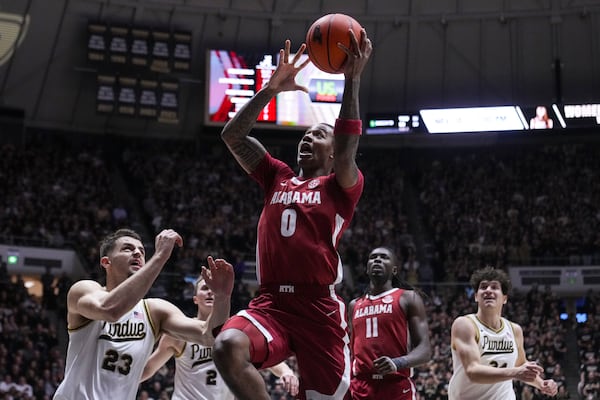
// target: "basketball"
[[323, 37]]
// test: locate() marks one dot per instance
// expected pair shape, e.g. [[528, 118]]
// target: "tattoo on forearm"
[[247, 153]]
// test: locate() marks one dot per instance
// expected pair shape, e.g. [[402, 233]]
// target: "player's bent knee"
[[230, 345]]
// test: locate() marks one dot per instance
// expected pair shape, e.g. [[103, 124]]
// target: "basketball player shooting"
[[297, 310]]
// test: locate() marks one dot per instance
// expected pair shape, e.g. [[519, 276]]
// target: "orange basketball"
[[323, 36]]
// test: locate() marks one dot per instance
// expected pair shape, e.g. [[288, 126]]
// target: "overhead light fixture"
[[13, 28]]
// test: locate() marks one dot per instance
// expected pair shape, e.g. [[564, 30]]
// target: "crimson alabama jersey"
[[301, 225], [379, 328]]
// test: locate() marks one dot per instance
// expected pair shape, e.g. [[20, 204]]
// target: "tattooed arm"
[[247, 150]]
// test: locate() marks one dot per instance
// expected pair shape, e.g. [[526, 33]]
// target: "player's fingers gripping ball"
[[323, 37]]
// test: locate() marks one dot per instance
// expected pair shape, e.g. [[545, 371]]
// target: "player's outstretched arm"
[[219, 277], [247, 150], [546, 386], [347, 130], [465, 345], [88, 300], [172, 321], [167, 348]]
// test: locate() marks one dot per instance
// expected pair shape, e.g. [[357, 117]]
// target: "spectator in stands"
[[23, 389], [48, 295], [6, 384], [563, 393]]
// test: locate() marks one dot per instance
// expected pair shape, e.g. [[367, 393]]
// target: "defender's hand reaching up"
[[219, 276]]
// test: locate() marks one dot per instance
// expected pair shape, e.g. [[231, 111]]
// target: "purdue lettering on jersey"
[[296, 197], [200, 355], [105, 360], [498, 349], [497, 346], [123, 331]]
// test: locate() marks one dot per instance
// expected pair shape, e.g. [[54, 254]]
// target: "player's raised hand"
[[358, 54], [218, 276], [284, 77], [164, 243]]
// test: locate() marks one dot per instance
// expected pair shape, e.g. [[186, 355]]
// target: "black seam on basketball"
[[311, 53], [329, 23]]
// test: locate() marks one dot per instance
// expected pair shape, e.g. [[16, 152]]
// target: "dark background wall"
[[428, 53]]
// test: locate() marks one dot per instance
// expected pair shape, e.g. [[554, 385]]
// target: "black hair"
[[490, 273], [108, 243]]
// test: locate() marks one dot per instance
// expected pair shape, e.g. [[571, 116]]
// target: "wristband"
[[400, 362], [347, 127]]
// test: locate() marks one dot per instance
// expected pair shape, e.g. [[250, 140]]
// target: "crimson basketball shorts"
[[308, 322], [389, 389]]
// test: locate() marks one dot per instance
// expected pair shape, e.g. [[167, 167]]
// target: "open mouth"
[[305, 150], [136, 265]]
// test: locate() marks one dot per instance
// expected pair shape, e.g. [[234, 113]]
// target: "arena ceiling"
[[427, 53]]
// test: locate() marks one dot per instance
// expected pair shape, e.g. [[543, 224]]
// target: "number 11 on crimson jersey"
[[371, 325]]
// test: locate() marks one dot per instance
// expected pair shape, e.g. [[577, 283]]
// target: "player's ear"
[[104, 261]]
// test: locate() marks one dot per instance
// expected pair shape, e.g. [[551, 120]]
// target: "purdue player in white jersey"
[[487, 350], [112, 330], [196, 376]]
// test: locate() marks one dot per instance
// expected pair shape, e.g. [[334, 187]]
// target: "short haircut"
[[491, 274], [108, 243]]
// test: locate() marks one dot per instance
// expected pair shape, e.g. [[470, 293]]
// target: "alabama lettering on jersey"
[[378, 328], [196, 376], [301, 224], [105, 360], [497, 348]]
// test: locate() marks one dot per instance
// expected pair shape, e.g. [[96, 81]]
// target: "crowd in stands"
[[31, 361], [528, 206], [478, 207], [57, 194], [588, 343]]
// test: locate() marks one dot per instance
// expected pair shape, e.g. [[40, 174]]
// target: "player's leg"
[[231, 354], [323, 352], [244, 344]]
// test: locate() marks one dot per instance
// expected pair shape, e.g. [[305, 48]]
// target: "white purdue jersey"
[[106, 360], [196, 376], [497, 348]]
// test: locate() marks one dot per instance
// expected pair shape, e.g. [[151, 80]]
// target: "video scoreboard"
[[233, 77]]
